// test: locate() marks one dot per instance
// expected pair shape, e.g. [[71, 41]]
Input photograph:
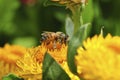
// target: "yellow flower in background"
[[99, 59], [70, 1], [8, 57]]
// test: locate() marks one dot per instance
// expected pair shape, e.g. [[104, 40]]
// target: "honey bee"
[[62, 38], [54, 37]]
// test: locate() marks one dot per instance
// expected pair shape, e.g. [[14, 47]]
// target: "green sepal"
[[69, 27], [50, 2], [74, 43], [11, 77], [52, 70]]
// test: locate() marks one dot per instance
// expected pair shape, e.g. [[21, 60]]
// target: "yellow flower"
[[99, 58], [59, 53], [65, 67], [8, 57], [29, 68], [31, 63]]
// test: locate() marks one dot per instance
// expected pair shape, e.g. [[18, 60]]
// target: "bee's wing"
[[46, 32]]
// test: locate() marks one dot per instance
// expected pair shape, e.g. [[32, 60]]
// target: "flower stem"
[[77, 17]]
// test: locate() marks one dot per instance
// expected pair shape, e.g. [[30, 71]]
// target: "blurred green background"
[[22, 21]]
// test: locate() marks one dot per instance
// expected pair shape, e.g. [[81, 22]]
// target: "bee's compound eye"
[[43, 38], [66, 38]]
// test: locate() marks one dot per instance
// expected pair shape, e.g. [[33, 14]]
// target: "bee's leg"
[[54, 45]]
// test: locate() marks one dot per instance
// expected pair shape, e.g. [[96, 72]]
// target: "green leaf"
[[69, 26], [53, 71], [11, 77], [74, 43], [49, 2]]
